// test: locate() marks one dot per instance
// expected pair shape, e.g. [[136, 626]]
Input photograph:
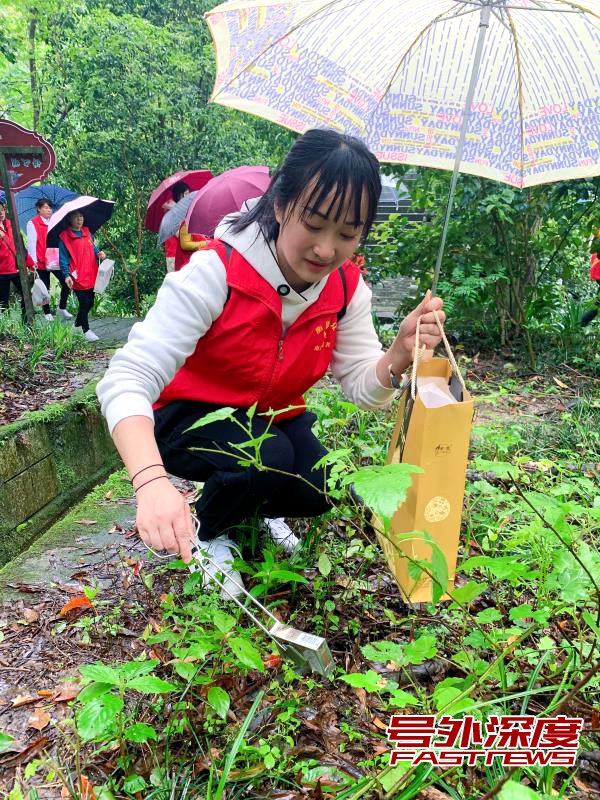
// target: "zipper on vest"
[[280, 350]]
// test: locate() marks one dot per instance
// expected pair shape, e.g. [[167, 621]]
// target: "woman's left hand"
[[429, 333]]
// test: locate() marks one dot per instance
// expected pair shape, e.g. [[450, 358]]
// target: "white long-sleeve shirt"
[[188, 303], [51, 252]]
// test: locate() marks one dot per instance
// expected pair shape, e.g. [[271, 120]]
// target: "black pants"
[[44, 276], [233, 492], [5, 283], [85, 298]]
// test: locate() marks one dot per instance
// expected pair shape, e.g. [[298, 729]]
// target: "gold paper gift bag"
[[437, 440]]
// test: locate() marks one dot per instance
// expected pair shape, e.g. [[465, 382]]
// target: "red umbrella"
[[195, 179], [95, 213], [223, 195]]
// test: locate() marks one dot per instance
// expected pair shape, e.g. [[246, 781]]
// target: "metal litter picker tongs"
[[304, 649]]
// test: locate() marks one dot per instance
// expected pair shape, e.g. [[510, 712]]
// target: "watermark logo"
[[516, 740]]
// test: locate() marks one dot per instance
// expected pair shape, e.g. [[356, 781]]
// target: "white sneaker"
[[64, 313], [91, 336], [49, 317], [219, 550], [281, 533]]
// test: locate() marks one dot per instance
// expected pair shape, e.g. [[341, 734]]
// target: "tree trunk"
[[33, 78]]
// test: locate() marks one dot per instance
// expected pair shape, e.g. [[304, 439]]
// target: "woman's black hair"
[[43, 201], [179, 189], [342, 164], [71, 214]]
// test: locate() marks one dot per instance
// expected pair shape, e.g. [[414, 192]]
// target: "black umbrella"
[[95, 213]]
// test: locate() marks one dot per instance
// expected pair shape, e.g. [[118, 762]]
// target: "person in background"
[[186, 243], [78, 257], [592, 313], [170, 244], [45, 259], [9, 271]]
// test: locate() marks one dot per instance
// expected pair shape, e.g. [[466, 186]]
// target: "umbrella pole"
[[484, 22]]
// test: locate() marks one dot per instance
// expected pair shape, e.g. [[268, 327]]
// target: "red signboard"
[[32, 158]]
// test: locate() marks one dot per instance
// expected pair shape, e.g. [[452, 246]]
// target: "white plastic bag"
[[105, 271], [40, 296]]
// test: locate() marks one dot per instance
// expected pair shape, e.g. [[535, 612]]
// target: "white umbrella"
[[401, 74]]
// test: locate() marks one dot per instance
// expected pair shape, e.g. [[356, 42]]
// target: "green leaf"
[[467, 593], [101, 673], [516, 791], [591, 621], [390, 778], [383, 651], [400, 699], [136, 668], [92, 691], [224, 622], [324, 565], [149, 684], [140, 732], [186, 670], [420, 650], [246, 653], [215, 416], [98, 718], [383, 488], [134, 783], [500, 468], [370, 681], [488, 615], [5, 741], [219, 700]]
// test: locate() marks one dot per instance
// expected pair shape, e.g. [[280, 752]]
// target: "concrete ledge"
[[47, 462]]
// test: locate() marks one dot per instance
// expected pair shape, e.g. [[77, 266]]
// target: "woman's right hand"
[[69, 281], [163, 519]]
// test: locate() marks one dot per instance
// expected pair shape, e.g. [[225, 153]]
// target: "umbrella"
[[173, 218], [27, 198], [95, 213], [195, 179], [223, 195], [503, 89]]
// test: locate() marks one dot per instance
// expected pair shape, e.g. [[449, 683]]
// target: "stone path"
[[112, 330]]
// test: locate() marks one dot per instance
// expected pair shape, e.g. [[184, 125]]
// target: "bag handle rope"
[[419, 351]]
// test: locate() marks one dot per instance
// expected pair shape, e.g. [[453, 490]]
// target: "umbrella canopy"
[[397, 75], [195, 179], [95, 213], [27, 198], [173, 218], [223, 195]]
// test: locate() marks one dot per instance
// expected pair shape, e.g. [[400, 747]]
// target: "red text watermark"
[[522, 740]]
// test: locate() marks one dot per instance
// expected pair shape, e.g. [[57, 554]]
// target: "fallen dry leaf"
[[560, 384], [108, 495], [76, 602], [66, 691], [86, 522], [29, 615], [27, 754], [23, 700], [383, 726], [39, 719]]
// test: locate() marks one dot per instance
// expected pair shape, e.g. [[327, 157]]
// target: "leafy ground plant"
[[208, 707]]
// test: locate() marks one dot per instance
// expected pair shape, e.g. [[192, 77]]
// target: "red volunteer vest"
[[245, 359], [83, 266], [171, 246], [41, 230], [8, 262], [182, 257], [594, 267]]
